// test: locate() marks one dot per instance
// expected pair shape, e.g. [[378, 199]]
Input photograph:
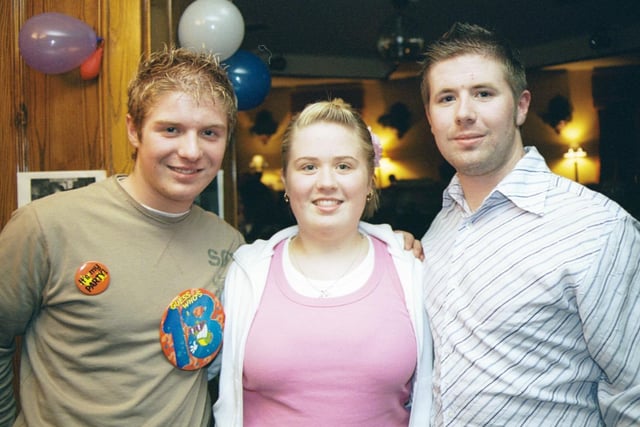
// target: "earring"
[[286, 198], [369, 196]]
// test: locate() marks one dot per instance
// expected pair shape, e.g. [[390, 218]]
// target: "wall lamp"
[[574, 155], [258, 163]]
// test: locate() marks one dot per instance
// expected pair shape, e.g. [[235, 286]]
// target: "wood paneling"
[[61, 122], [62, 130], [126, 25], [9, 136]]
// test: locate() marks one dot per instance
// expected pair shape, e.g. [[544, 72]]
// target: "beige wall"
[[415, 156]]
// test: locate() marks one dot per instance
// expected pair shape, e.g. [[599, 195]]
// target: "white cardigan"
[[244, 285]]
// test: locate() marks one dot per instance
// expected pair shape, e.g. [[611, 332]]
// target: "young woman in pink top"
[[325, 321]]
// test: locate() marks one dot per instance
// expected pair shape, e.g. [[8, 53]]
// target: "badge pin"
[[92, 278], [191, 329]]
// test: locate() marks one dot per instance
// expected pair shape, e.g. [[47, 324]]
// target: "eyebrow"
[[475, 86], [161, 122], [333, 160]]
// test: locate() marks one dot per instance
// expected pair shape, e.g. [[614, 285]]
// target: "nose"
[[464, 110], [326, 178], [190, 147]]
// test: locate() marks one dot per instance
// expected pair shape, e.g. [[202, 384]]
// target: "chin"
[[184, 195]]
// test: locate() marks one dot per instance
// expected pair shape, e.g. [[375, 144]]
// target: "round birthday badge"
[[191, 329], [92, 278]]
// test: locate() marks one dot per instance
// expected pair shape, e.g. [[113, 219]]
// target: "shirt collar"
[[525, 186]]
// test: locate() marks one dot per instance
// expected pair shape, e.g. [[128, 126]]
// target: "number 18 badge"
[[191, 329]]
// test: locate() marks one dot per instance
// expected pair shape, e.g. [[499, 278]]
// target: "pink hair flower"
[[377, 148]]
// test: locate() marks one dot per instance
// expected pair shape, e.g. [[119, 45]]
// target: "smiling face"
[[475, 117], [327, 178], [180, 148]]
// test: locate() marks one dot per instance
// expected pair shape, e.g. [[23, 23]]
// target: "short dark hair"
[[463, 38]]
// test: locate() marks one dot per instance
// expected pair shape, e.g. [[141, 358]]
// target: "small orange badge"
[[92, 278]]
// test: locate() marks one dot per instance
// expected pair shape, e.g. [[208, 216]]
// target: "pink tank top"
[[345, 361]]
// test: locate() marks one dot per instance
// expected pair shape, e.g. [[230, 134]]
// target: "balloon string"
[[266, 49]]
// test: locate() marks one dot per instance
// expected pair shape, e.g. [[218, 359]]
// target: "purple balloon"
[[55, 43]]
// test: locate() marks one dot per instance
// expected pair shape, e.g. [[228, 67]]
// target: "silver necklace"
[[323, 292]]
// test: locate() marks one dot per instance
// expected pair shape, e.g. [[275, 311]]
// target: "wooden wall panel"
[[8, 114], [63, 110], [126, 24], [61, 122]]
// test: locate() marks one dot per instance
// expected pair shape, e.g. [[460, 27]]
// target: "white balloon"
[[213, 26]]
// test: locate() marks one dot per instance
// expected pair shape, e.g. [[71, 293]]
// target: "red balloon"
[[55, 43], [90, 68]]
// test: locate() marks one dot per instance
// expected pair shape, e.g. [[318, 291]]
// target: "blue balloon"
[[250, 78]]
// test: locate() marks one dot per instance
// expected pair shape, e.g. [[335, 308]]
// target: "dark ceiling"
[[338, 38]]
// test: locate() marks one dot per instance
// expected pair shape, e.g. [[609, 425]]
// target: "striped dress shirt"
[[534, 303]]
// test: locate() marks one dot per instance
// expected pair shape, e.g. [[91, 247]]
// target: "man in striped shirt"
[[533, 287]]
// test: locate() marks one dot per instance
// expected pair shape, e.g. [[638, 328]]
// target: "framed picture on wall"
[[35, 185]]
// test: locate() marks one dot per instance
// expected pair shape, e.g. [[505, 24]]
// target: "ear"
[[427, 115], [283, 179], [132, 132], [523, 107]]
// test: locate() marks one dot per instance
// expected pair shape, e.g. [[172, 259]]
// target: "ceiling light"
[[400, 38]]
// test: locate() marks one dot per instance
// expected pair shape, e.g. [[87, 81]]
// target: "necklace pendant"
[[324, 293]]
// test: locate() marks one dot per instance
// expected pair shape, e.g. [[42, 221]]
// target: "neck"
[[326, 261], [477, 188], [136, 191], [327, 242]]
